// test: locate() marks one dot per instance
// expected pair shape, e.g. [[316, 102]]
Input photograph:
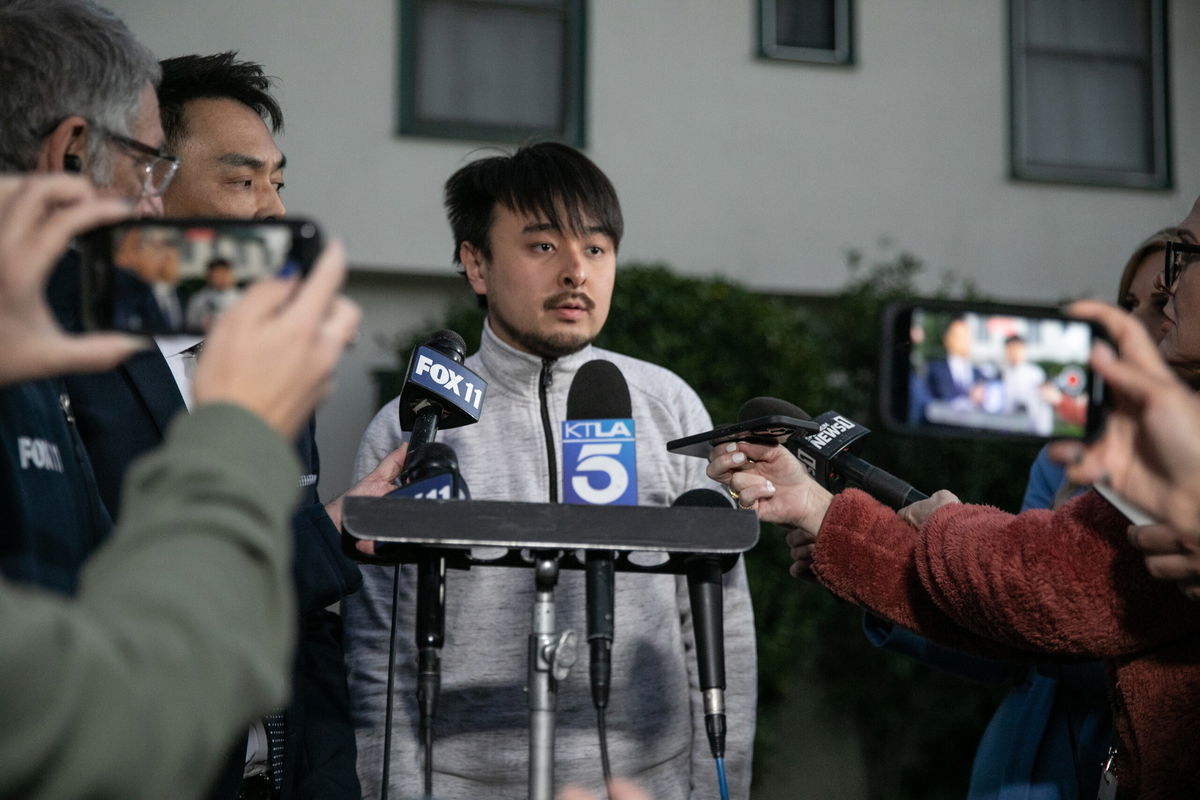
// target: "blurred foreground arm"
[[183, 626], [180, 634]]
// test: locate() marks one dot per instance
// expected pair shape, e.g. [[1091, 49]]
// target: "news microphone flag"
[[599, 439]]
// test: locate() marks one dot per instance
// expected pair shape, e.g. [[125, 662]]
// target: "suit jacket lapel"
[[152, 378]]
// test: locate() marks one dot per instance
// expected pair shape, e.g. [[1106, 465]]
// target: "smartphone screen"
[[163, 276], [963, 369]]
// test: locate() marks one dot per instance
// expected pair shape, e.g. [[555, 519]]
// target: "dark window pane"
[[806, 23], [1089, 83], [1089, 113], [493, 66], [1111, 27]]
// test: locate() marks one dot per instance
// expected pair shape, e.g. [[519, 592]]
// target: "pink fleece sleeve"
[[1065, 583]]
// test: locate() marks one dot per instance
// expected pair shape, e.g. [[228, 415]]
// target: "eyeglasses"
[[157, 172], [1179, 256]]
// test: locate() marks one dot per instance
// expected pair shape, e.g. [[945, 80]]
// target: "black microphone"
[[708, 622], [826, 453], [598, 392], [431, 471], [435, 394], [438, 392]]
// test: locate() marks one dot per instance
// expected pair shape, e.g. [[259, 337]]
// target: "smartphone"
[[773, 429], [983, 371], [177, 276]]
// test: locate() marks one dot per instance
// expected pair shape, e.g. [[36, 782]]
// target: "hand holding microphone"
[[826, 453], [782, 487], [770, 480]]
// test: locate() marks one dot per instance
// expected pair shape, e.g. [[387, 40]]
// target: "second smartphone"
[[985, 371]]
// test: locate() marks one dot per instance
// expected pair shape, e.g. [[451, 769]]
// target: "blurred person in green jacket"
[[183, 623]]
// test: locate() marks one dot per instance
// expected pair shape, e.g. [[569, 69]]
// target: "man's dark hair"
[[1013, 338], [219, 263], [222, 77], [545, 179]]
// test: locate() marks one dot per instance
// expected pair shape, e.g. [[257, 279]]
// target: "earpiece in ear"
[[72, 163]]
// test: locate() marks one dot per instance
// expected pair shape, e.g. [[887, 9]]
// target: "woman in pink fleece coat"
[[1071, 583]]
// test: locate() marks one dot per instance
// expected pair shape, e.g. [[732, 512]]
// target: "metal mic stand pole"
[[551, 657]]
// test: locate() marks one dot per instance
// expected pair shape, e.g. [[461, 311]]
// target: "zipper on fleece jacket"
[[544, 381]]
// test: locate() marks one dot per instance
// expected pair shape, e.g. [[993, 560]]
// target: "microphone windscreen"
[[599, 391], [449, 343], [702, 497], [757, 407]]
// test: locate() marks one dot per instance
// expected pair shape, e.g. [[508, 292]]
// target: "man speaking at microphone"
[[536, 236]]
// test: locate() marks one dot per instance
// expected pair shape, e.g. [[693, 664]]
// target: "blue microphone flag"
[[460, 388], [599, 462], [598, 447]]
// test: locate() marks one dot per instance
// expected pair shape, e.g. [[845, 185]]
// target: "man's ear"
[[64, 149], [475, 266]]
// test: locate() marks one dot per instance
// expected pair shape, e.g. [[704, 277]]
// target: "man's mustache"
[[576, 298]]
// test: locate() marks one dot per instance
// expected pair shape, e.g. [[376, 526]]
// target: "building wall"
[[763, 171]]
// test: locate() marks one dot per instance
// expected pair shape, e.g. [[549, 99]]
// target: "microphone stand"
[[559, 536], [551, 657]]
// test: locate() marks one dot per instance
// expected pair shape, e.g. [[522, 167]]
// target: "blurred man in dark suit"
[[216, 108]]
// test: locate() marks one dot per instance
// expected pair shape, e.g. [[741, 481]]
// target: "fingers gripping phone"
[[177, 276], [985, 371]]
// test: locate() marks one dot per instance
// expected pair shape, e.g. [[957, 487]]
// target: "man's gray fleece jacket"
[[655, 717]]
